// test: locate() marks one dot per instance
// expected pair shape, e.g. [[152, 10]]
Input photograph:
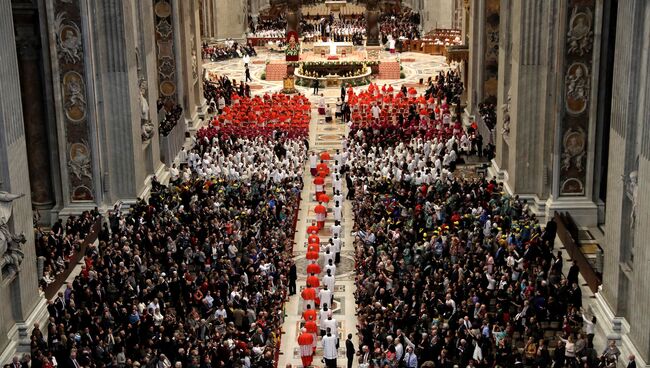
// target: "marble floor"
[[322, 137]]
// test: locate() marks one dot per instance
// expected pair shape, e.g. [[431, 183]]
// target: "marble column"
[[117, 85], [213, 22], [526, 108], [33, 102], [504, 93], [19, 291], [625, 271], [190, 70], [476, 55], [231, 19]]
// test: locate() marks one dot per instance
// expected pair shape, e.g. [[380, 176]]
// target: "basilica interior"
[[337, 183]]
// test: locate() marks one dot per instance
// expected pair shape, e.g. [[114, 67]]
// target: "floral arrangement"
[[335, 62]]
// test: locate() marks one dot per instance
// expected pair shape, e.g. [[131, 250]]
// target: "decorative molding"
[[166, 61], [574, 122], [70, 56]]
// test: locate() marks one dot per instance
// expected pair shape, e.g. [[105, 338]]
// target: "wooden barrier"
[[567, 231], [93, 234]]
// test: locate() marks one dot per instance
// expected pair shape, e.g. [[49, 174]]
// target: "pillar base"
[[611, 327], [583, 211], [19, 334], [495, 171]]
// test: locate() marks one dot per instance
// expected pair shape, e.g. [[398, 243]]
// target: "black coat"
[[349, 349]]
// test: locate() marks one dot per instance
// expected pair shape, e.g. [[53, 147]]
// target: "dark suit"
[[258, 340], [349, 351], [631, 364], [69, 363], [292, 279]]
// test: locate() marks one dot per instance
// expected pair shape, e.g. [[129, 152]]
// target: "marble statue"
[[145, 121], [631, 182], [506, 115], [11, 256]]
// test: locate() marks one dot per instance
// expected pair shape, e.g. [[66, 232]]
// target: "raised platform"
[[332, 48]]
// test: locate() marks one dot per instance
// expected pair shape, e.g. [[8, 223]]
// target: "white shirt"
[[325, 296], [338, 212], [329, 347], [328, 256], [336, 229], [331, 323], [332, 269], [329, 281]]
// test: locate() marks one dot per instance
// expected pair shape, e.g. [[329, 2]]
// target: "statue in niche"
[[633, 189], [631, 183], [506, 115], [146, 124], [195, 68], [11, 254]]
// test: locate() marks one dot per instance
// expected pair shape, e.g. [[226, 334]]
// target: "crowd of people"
[[269, 28], [229, 49], [196, 276], [219, 92], [399, 26], [265, 115], [56, 247], [451, 270]]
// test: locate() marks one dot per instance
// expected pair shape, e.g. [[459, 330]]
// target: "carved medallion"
[[79, 162], [580, 36], [68, 39], [163, 9], [167, 88], [74, 92], [577, 88], [574, 149]]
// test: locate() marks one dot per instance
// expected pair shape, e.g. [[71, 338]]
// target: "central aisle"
[[322, 137]]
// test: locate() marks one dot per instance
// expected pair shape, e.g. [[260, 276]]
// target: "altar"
[[335, 5], [333, 48]]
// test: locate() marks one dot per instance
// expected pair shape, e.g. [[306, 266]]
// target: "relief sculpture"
[[11, 254], [580, 36], [74, 96], [577, 88], [574, 149], [68, 39]]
